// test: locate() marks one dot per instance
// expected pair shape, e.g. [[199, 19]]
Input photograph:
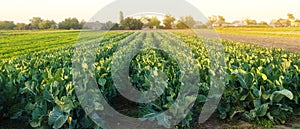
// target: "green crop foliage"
[[262, 84]]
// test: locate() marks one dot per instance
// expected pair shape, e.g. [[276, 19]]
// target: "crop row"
[[169, 68]]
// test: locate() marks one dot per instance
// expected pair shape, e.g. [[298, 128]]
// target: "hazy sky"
[[23, 10]]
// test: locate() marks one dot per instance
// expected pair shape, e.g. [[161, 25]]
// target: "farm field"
[[290, 32], [282, 32], [37, 88], [286, 38]]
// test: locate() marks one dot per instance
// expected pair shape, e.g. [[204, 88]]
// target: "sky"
[[260, 10]]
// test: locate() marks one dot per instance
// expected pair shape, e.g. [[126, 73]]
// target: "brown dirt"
[[290, 44]]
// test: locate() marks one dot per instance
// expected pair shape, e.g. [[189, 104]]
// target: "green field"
[[261, 84]]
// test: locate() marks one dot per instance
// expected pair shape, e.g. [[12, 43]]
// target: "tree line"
[[37, 23], [219, 21], [144, 22], [130, 23]]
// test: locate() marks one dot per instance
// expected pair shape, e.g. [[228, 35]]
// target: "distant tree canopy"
[[211, 20], [215, 19], [185, 22], [169, 21], [70, 23], [130, 23], [290, 16], [21, 26], [7, 25], [263, 23], [39, 23], [34, 22], [290, 21], [250, 21], [181, 25], [47, 24], [110, 26], [153, 22], [221, 19], [121, 17]]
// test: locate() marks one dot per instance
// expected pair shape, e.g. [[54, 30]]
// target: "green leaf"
[[250, 115], [66, 104], [264, 76], [245, 78], [101, 81], [296, 67], [29, 107], [16, 110], [37, 113], [201, 98], [257, 103], [262, 110], [72, 125], [35, 123], [16, 115], [48, 96], [278, 95], [223, 115], [86, 122], [270, 116], [243, 97], [59, 73], [57, 118], [256, 92]]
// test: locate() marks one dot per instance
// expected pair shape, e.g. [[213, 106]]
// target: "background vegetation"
[[130, 23]]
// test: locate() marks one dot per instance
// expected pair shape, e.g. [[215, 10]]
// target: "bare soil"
[[289, 44]]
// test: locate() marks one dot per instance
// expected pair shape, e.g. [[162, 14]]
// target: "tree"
[[153, 22], [185, 22], [214, 19], [47, 24], [34, 22], [121, 17], [221, 19], [250, 22], [211, 20], [145, 20], [290, 16], [82, 22], [263, 23], [7, 25], [168, 21], [190, 21], [70, 23], [132, 24], [121, 20], [180, 24], [21, 26], [199, 25], [284, 22], [110, 26]]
